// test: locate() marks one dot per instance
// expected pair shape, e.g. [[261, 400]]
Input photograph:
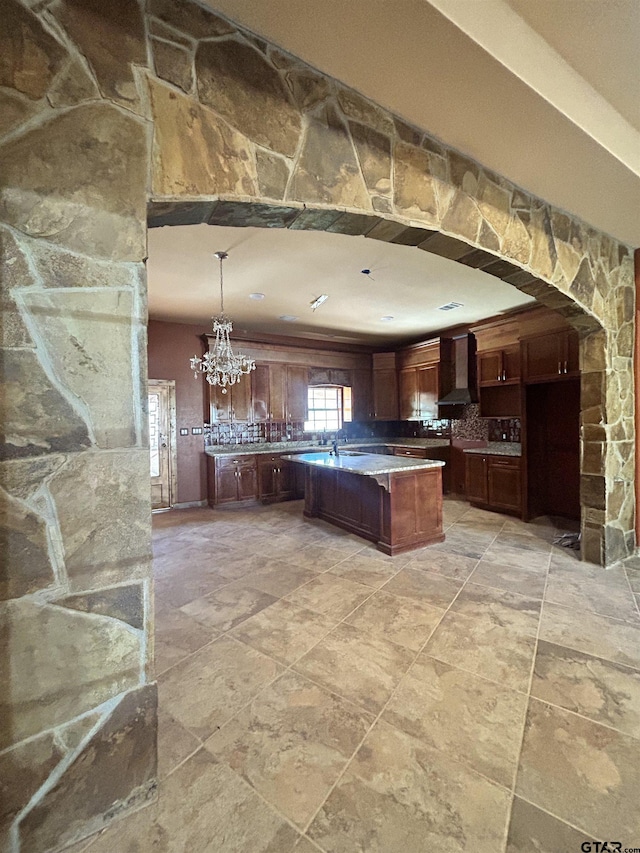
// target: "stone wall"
[[102, 107]]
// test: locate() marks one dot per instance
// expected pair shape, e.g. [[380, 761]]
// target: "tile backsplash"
[[470, 426]]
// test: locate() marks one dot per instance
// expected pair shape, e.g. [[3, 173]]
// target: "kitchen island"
[[392, 501]]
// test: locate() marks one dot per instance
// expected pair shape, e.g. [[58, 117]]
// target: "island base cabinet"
[[399, 512]]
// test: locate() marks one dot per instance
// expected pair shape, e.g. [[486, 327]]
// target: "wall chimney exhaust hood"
[[464, 372]]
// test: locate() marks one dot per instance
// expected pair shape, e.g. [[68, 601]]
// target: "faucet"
[[334, 445]]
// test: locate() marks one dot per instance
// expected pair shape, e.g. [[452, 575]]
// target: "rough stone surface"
[[14, 111], [85, 185], [119, 602], [189, 18], [87, 335], [23, 770], [463, 217], [14, 272], [354, 106], [63, 663], [115, 768], [25, 565], [273, 174], [374, 154], [37, 418], [93, 487], [239, 84], [194, 151], [30, 57], [414, 188], [112, 38], [308, 88], [173, 63], [73, 86], [327, 170]]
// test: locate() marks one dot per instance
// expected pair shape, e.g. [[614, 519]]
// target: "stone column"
[[78, 700]]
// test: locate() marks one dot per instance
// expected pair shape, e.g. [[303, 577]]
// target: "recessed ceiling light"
[[256, 296], [288, 318], [387, 319]]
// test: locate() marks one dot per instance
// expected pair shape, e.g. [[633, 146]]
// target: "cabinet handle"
[[504, 375], [498, 377], [559, 367], [566, 366]]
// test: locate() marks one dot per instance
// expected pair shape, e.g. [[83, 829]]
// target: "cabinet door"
[[385, 394], [286, 479], [277, 392], [503, 484], [361, 395], [511, 364], [226, 484], [489, 367], [247, 481], [241, 400], [476, 477], [297, 390], [219, 405], [542, 357], [266, 478], [408, 393], [260, 398], [428, 388]]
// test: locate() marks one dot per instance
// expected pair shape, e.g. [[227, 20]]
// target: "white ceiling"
[[545, 92], [292, 268]]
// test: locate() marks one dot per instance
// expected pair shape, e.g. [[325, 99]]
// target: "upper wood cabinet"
[[297, 393], [234, 405], [385, 387], [361, 400], [499, 367], [424, 377], [550, 357], [268, 392]]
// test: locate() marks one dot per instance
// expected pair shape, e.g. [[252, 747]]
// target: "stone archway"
[[102, 108]]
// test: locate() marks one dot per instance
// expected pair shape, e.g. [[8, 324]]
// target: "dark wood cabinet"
[[385, 387], [297, 393], [408, 394], [494, 481], [276, 478], [551, 357], [268, 392], [499, 367], [361, 400], [476, 478], [233, 404], [504, 484], [231, 479]]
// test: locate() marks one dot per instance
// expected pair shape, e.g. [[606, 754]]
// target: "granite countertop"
[[295, 446], [498, 448], [366, 464]]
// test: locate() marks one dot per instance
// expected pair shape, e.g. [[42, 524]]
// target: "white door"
[[160, 443]]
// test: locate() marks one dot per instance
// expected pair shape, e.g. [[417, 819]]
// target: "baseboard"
[[189, 504]]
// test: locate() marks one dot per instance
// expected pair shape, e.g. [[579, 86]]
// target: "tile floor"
[[315, 695]]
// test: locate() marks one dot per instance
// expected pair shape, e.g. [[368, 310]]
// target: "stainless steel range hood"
[[464, 372]]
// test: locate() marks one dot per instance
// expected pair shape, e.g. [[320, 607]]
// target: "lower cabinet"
[[494, 482], [277, 479], [441, 453], [231, 479]]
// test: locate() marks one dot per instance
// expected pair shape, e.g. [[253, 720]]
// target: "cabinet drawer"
[[232, 460], [414, 452]]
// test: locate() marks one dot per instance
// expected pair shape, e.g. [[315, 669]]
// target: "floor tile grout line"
[[527, 706], [556, 817]]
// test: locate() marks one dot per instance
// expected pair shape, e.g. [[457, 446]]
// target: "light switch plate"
[[184, 431]]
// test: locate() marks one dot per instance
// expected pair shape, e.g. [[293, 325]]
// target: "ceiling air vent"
[[450, 306]]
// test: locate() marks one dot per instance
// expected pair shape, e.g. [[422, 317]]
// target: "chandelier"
[[220, 365]]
